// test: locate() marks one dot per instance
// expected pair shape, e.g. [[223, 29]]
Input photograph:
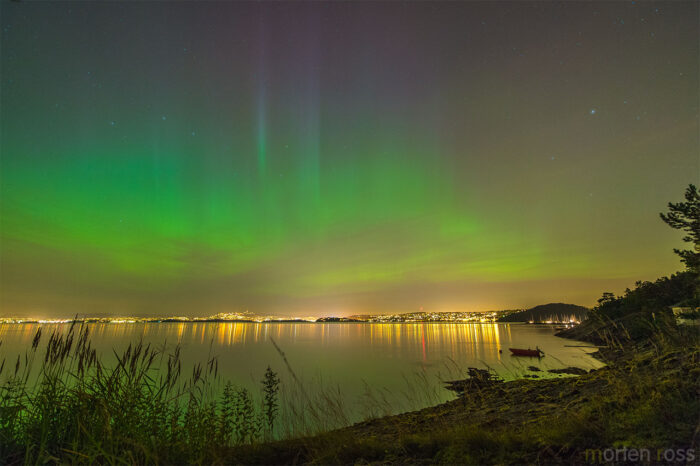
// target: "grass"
[[66, 405]]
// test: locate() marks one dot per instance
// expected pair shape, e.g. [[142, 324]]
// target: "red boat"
[[537, 353]]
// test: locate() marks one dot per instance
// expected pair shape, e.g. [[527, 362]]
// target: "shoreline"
[[516, 421], [543, 324]]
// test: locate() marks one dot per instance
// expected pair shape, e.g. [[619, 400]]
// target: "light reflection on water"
[[352, 356]]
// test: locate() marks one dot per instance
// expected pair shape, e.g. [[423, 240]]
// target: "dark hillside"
[[555, 312], [638, 313]]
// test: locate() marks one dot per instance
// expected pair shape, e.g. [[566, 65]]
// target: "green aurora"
[[311, 159]]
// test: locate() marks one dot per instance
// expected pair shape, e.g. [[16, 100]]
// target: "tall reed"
[[66, 404]]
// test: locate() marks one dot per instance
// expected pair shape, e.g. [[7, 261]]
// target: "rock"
[[569, 370]]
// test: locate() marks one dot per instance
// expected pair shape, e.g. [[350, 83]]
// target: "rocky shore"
[[645, 396]]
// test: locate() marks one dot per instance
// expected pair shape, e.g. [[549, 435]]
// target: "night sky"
[[337, 158]]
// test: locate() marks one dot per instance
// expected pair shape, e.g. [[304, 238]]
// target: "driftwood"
[[569, 370], [478, 379]]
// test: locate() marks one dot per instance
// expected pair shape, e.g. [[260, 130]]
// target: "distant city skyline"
[[322, 158], [226, 318]]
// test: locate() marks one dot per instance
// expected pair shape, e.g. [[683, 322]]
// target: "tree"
[[685, 216]]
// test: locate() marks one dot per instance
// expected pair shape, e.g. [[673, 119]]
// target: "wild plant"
[[270, 385], [74, 407]]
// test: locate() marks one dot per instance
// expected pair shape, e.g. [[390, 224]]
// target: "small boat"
[[536, 353]]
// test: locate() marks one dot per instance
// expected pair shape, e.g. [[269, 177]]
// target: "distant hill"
[[555, 312], [337, 319]]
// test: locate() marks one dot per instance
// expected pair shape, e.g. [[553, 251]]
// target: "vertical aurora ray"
[[310, 109], [261, 105], [261, 136]]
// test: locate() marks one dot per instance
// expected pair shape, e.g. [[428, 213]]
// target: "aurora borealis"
[[339, 158]]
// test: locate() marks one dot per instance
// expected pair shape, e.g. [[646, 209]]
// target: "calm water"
[[401, 364]]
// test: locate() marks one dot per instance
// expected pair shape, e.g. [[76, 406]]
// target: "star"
[[593, 111], [163, 118]]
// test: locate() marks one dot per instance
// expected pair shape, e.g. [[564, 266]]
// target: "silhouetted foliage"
[[648, 297], [69, 406], [270, 405], [685, 216]]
